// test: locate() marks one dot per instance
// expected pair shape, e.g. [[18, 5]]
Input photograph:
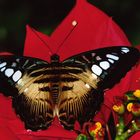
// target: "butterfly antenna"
[[67, 36], [51, 52]]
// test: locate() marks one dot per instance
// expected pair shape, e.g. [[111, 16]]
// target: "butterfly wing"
[[92, 73], [80, 81], [31, 100]]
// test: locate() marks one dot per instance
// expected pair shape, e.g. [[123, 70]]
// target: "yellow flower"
[[116, 108], [137, 93], [98, 125], [134, 108], [95, 129], [119, 108], [129, 107]]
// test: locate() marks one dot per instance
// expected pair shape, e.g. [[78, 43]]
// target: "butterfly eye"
[[96, 70]]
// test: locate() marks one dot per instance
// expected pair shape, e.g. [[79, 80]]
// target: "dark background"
[[45, 15]]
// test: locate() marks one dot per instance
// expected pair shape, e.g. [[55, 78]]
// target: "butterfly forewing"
[[108, 64]]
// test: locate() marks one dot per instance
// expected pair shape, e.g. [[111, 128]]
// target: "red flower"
[[135, 81]]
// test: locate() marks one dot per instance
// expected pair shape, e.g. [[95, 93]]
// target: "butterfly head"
[[54, 58]]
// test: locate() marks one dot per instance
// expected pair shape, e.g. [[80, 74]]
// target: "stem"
[[121, 125]]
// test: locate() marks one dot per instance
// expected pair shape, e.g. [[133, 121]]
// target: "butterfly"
[[72, 90]]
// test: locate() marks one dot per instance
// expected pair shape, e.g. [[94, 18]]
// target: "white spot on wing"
[[3, 69], [26, 89], [20, 82], [125, 50], [17, 75], [98, 58], [94, 76], [9, 72], [87, 85], [114, 57], [111, 61], [105, 65], [3, 64], [17, 59], [14, 64], [96, 69], [93, 54]]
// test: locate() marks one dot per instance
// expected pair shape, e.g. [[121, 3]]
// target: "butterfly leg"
[[67, 121]]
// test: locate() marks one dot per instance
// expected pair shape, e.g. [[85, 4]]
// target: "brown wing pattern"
[[71, 90], [34, 103], [31, 97], [94, 72], [77, 97]]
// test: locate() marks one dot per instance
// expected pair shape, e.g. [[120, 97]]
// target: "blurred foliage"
[[45, 15]]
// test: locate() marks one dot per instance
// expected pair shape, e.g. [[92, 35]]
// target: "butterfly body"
[[71, 90]]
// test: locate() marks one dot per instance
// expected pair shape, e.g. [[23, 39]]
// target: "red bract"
[[136, 110], [119, 108], [135, 82]]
